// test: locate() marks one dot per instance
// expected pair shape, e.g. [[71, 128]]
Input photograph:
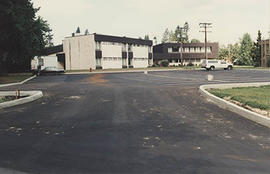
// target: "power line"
[[205, 26]]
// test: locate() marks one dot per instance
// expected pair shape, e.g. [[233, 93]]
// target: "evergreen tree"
[[155, 40], [86, 32], [256, 50], [166, 36], [78, 31], [246, 44], [146, 37], [186, 30]]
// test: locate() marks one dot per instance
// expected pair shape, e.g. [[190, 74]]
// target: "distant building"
[[96, 51], [192, 53], [51, 57], [265, 53]]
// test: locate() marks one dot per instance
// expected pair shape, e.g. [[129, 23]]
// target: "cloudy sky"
[[135, 18]]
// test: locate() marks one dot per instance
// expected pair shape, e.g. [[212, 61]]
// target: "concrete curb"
[[10, 171], [19, 83], [260, 119], [32, 96]]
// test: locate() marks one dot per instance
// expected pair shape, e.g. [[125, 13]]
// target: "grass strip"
[[256, 97]]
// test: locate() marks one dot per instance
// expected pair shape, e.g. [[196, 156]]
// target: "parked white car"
[[213, 64]]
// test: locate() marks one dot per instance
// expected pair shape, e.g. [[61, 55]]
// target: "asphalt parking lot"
[[131, 123]]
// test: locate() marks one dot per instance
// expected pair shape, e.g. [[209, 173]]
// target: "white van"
[[212, 64]]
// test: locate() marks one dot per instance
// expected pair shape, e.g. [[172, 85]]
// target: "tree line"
[[180, 34], [23, 35], [245, 52]]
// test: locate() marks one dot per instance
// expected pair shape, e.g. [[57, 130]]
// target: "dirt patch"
[[257, 110], [98, 79]]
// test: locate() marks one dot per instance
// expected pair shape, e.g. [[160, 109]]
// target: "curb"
[[10, 171], [258, 118], [33, 95], [19, 83]]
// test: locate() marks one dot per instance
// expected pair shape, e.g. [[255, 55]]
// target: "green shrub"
[[190, 64], [164, 63]]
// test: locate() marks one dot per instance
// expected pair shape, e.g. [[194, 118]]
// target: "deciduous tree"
[[23, 34]]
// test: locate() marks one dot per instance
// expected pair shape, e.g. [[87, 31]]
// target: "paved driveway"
[[132, 123]]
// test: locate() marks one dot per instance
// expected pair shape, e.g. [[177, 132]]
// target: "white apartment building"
[[95, 51]]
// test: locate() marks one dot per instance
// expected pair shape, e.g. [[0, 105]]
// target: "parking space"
[[132, 123], [194, 78]]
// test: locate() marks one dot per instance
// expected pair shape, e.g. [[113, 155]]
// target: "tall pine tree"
[[256, 50]]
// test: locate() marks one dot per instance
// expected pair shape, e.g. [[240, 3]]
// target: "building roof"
[[172, 44], [119, 39], [107, 38], [52, 50]]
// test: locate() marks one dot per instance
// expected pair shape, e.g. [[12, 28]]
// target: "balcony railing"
[[130, 55], [124, 55], [98, 54]]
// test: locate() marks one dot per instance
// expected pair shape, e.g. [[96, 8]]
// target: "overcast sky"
[[135, 18]]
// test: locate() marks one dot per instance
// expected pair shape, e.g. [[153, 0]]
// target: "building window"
[[169, 50], [209, 49], [175, 49]]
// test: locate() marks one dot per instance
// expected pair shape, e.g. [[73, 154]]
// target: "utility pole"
[[205, 26], [182, 29]]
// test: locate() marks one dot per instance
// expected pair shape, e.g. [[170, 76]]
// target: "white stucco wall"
[[111, 63], [111, 50], [140, 63], [140, 52], [80, 52]]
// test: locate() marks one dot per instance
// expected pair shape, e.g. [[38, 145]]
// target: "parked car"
[[51, 70], [216, 64]]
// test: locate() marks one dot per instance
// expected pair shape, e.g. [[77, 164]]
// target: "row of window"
[[124, 46], [120, 58], [185, 60], [140, 59], [124, 62], [189, 50], [111, 58]]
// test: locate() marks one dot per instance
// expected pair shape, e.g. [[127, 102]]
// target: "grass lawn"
[[251, 67], [255, 97], [14, 78]]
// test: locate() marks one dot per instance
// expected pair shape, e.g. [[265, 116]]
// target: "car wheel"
[[212, 68], [230, 68]]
